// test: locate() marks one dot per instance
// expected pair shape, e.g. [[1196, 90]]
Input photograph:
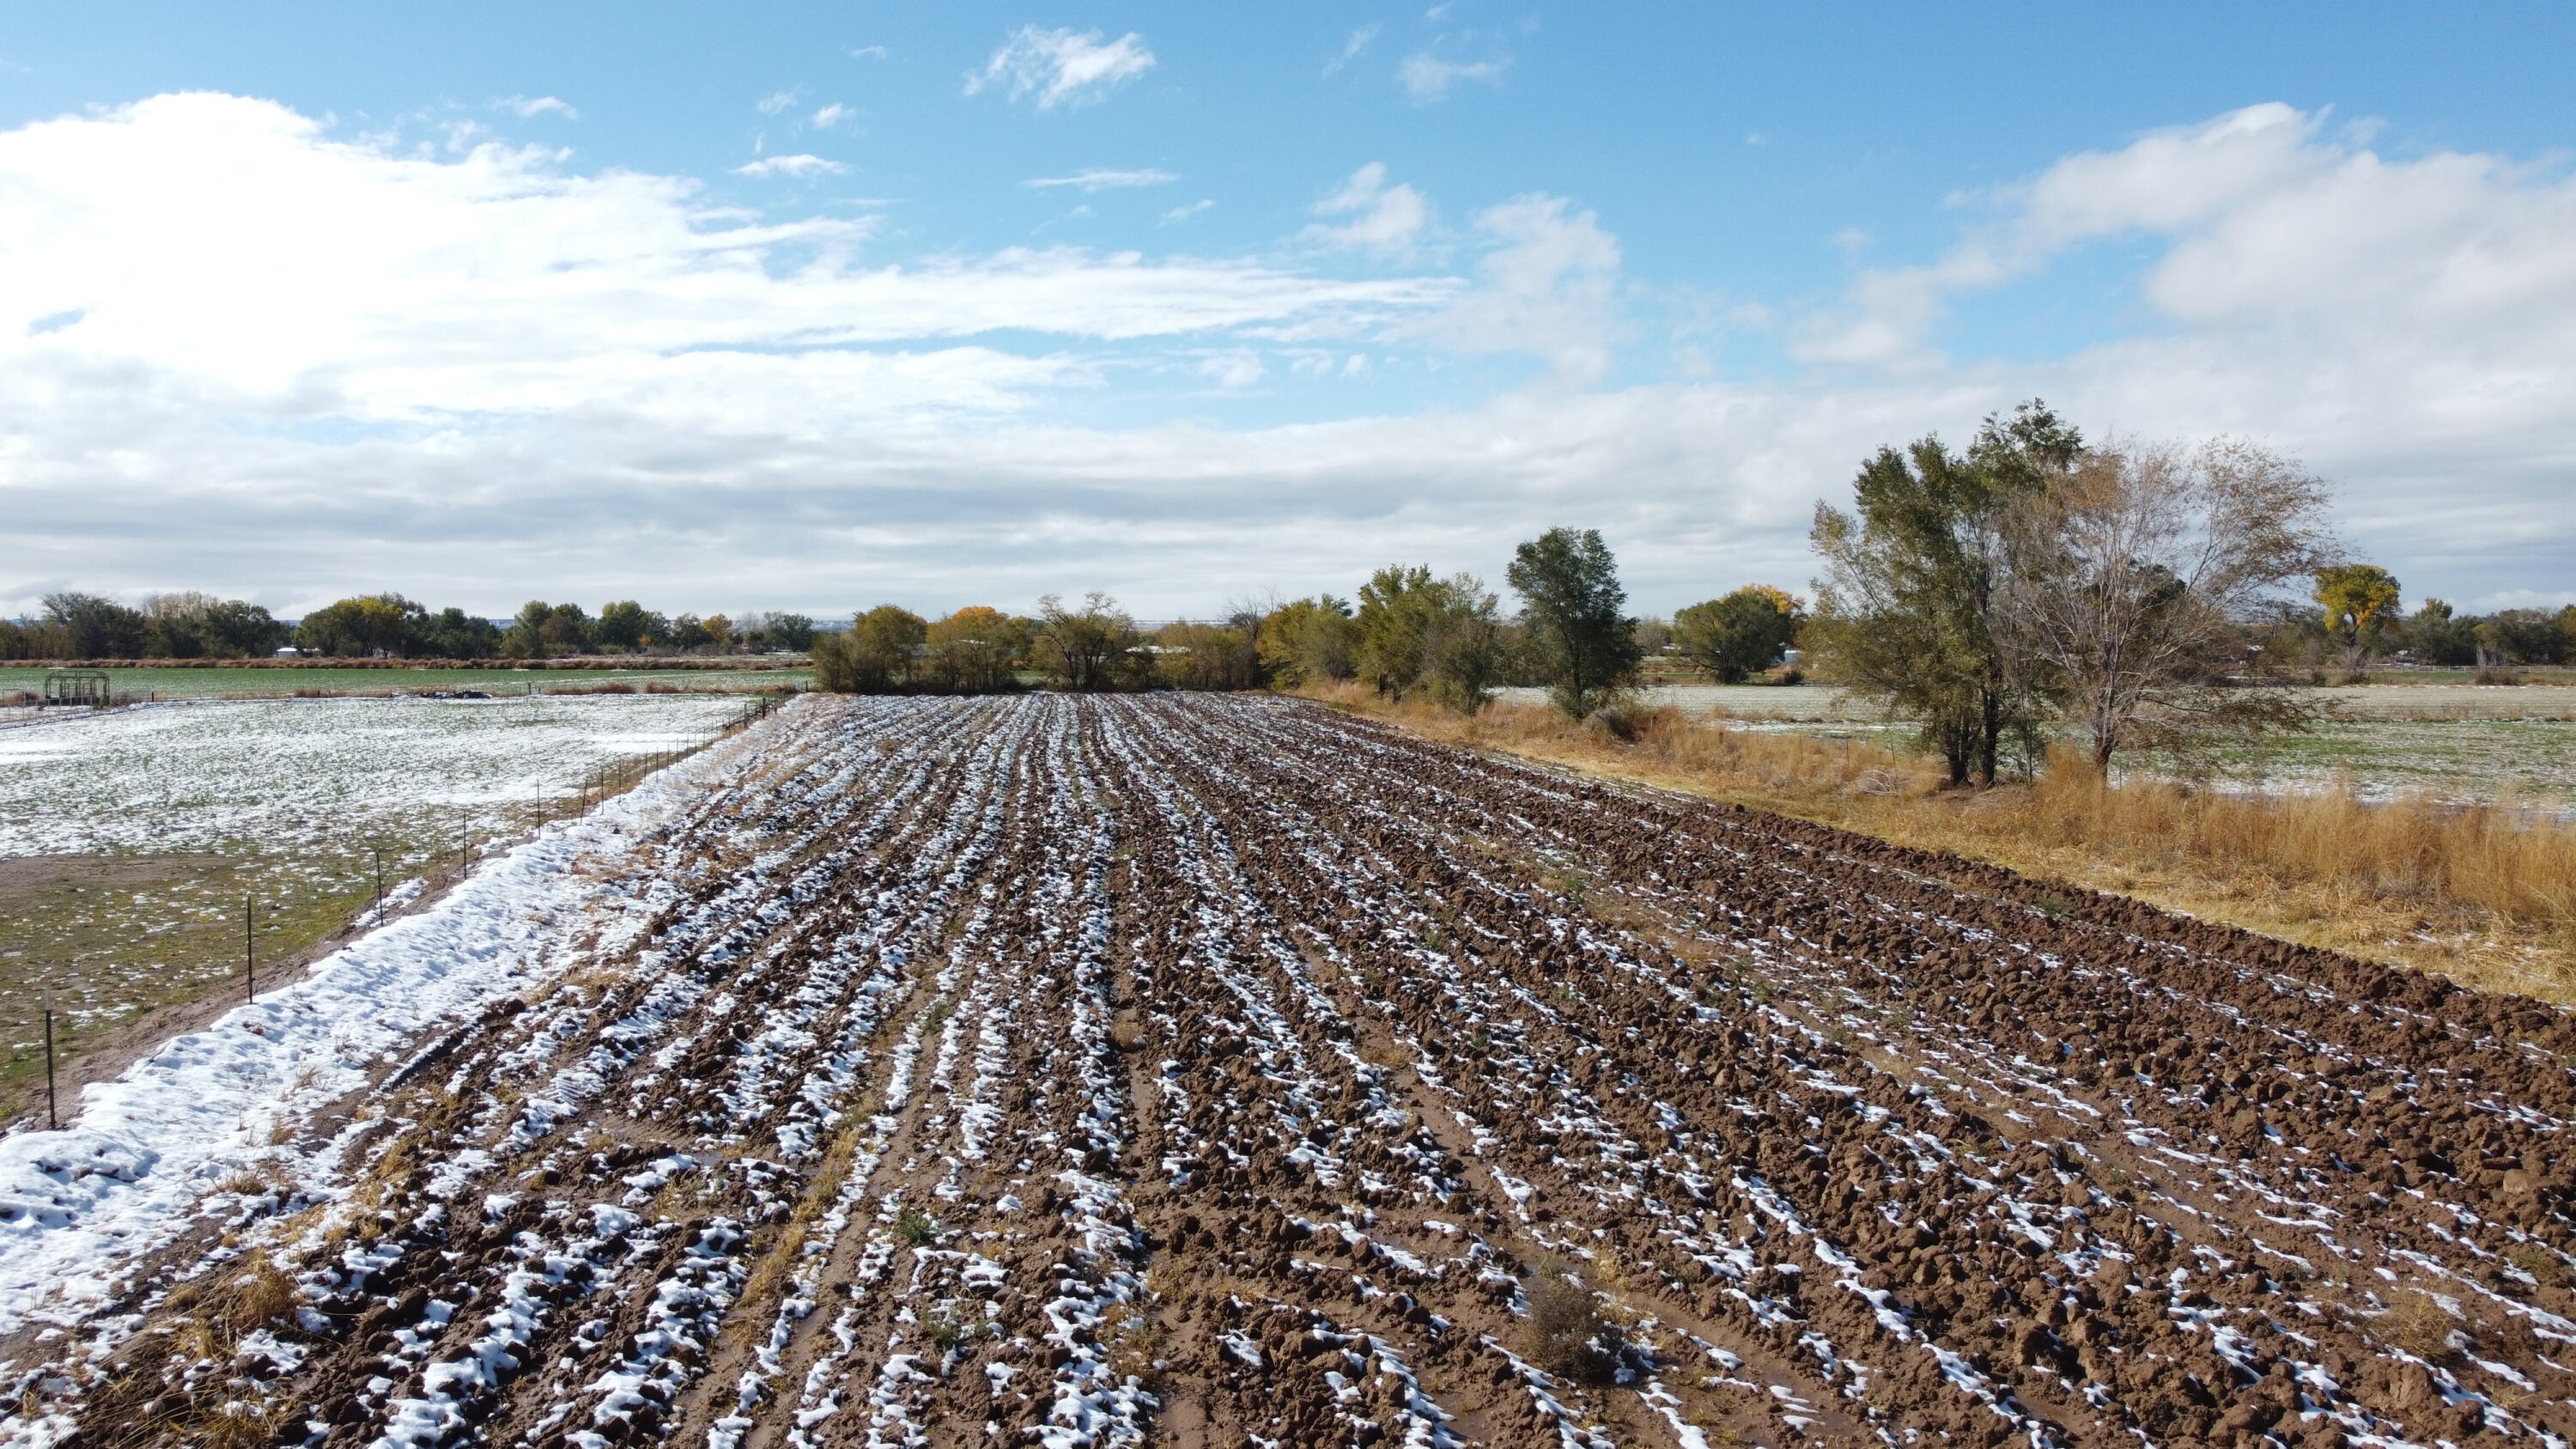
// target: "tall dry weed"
[[2368, 875]]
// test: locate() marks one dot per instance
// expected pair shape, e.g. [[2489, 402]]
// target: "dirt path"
[[1229, 1072]]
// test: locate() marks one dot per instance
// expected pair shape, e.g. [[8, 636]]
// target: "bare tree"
[[2132, 574]]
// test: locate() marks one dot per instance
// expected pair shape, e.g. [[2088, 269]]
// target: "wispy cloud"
[[797, 166], [1062, 67], [776, 101], [1353, 48], [1383, 218], [832, 115], [1184, 213], [533, 106], [870, 52], [1235, 369], [1103, 180], [1427, 78]]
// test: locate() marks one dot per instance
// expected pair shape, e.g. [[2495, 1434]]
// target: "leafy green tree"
[[1397, 608], [97, 628], [2360, 604], [1740, 635], [1084, 649], [1464, 651], [2436, 634], [627, 625], [1906, 610], [453, 633], [2520, 636], [1573, 604], [793, 633]]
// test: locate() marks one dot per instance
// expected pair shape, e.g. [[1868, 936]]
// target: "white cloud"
[[1184, 213], [528, 107], [870, 52], [1062, 67], [240, 353], [1428, 78], [1352, 48], [1383, 218], [2173, 182], [1546, 285], [832, 115], [776, 101], [1099, 179], [797, 166], [1234, 370]]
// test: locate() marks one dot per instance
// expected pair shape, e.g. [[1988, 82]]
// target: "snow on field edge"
[[80, 1206]]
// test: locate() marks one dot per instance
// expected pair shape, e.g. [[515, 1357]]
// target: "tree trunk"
[[1990, 729]]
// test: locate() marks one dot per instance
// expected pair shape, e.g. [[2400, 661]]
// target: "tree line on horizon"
[[188, 625], [2031, 588]]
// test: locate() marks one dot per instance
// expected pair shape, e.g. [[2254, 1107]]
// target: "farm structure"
[[1229, 1071]]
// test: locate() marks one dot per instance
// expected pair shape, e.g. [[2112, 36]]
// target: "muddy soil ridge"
[[1213, 1070]]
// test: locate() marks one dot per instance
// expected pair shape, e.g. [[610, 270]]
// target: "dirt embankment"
[[1226, 1071]]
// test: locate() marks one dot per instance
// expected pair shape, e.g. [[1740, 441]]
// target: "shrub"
[[1567, 1333]]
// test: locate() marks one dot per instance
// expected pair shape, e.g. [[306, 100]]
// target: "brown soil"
[[1227, 1071]]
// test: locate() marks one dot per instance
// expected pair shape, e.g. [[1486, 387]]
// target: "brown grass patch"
[[2482, 894]]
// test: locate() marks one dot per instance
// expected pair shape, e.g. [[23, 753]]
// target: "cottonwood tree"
[[1083, 649], [975, 650], [1574, 607], [2131, 576], [1907, 608], [2360, 603]]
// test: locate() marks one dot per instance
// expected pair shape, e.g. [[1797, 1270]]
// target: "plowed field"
[[1230, 1072]]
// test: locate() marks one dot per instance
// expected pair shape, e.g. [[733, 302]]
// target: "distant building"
[[289, 651]]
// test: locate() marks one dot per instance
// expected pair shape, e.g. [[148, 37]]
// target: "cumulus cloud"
[[1547, 284], [1099, 179], [253, 356], [826, 117], [527, 107], [797, 166], [1382, 218], [1061, 67], [1427, 78]]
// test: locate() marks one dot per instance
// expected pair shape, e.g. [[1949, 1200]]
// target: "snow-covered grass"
[[128, 840], [78, 1207]]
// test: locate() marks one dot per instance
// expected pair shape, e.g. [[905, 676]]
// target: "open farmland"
[[2457, 744], [269, 683], [1215, 1070], [130, 839]]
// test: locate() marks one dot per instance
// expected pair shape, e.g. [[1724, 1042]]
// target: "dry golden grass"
[[2484, 895]]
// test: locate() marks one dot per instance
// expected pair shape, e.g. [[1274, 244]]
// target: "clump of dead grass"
[[1567, 1333]]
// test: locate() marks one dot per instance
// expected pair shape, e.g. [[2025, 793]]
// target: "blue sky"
[[818, 306]]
